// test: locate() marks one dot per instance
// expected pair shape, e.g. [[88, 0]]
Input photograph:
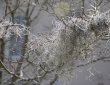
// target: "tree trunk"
[[1, 56]]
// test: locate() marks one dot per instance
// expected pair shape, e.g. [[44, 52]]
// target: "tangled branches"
[[72, 40]]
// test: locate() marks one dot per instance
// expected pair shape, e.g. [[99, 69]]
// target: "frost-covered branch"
[[72, 40]]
